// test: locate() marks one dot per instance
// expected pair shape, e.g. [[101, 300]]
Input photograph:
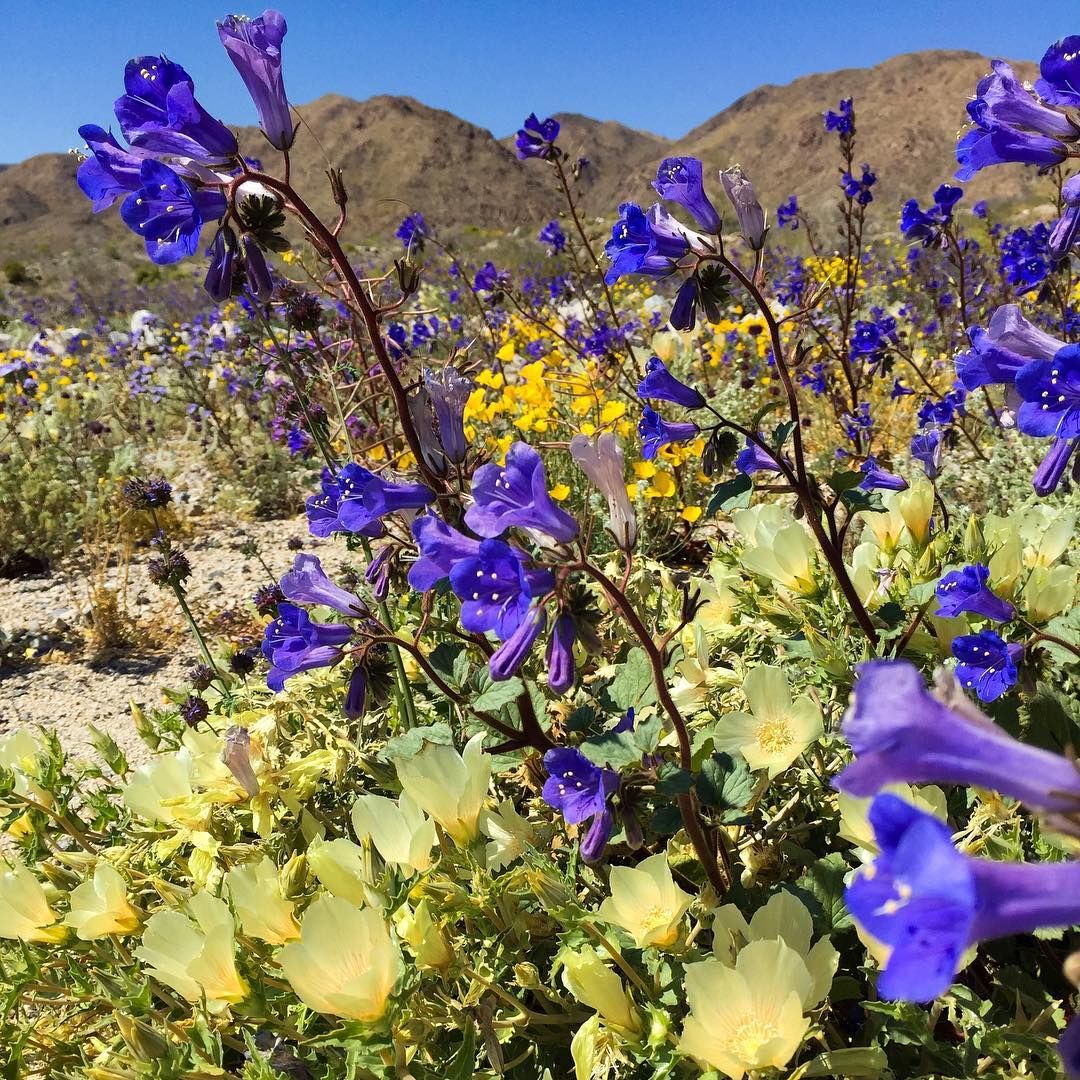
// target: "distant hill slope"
[[398, 154]]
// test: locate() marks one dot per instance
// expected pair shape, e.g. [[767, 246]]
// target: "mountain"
[[398, 155]]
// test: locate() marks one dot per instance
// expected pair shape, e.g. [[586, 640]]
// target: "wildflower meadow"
[[698, 692]]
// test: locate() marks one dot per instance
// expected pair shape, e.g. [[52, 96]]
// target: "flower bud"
[[294, 876], [142, 1040], [236, 755], [747, 208]]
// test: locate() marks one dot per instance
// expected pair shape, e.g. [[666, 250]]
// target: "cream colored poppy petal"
[[784, 917]]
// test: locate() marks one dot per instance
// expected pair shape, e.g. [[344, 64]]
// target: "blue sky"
[[663, 66]]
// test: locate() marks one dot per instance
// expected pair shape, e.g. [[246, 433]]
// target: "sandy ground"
[[61, 686]]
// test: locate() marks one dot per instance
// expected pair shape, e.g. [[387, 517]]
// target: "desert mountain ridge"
[[398, 155]]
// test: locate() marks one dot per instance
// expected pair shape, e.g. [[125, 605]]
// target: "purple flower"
[[601, 459], [168, 214], [656, 433], [858, 187], [536, 138], [754, 458], [927, 448], [294, 643], [966, 590], [260, 283], [219, 274], [901, 733], [112, 171], [1060, 71], [495, 589], [930, 903], [356, 693], [322, 510], [679, 180], [644, 243], [449, 391], [412, 230], [740, 193], [159, 113], [307, 583], [979, 209], [1052, 467], [441, 548], [490, 279], [514, 651], [365, 497], [516, 494], [787, 214], [580, 790], [254, 46], [552, 235], [1069, 1044], [875, 478], [1063, 234], [560, 654], [986, 663], [660, 385], [842, 121]]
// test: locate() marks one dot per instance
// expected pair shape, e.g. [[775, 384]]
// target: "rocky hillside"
[[398, 155]]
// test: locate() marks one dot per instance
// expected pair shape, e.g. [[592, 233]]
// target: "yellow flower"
[[19, 752], [646, 902], [264, 913], [155, 788], [449, 786], [749, 1017], [777, 547], [25, 914], [916, 507], [195, 956], [1049, 591], [401, 832], [100, 906], [341, 867], [776, 730], [855, 824], [784, 917], [508, 835], [423, 935], [691, 513], [559, 492], [593, 983], [346, 962]]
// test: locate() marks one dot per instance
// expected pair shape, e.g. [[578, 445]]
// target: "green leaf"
[[632, 687], [582, 718], [1066, 627], [443, 657], [499, 694], [617, 749], [412, 742], [666, 820], [725, 783], [845, 479], [462, 1066], [733, 494], [824, 881], [672, 780], [781, 434], [771, 406], [868, 502]]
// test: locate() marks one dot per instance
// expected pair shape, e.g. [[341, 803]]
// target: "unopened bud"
[[527, 976], [144, 1042], [294, 876], [408, 276], [143, 727], [549, 888], [62, 879], [237, 757]]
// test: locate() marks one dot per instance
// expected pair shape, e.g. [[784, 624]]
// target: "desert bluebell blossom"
[[490, 279], [930, 903], [643, 243], [679, 180], [601, 459], [1052, 467], [754, 458], [657, 433], [356, 693], [966, 591], [536, 138], [254, 47], [581, 791], [516, 495], [159, 113], [986, 663], [294, 643], [365, 497], [219, 274], [1051, 393], [1025, 257], [168, 214], [441, 547], [1003, 101], [926, 226], [1069, 1044], [660, 385], [1060, 73], [740, 193], [449, 391], [875, 478], [859, 187], [928, 448], [560, 654], [322, 511], [260, 283], [111, 171], [514, 651], [552, 235], [843, 120], [901, 733], [307, 583], [787, 214], [412, 230], [1063, 234], [494, 589]]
